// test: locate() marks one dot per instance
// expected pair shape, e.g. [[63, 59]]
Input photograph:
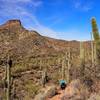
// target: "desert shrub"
[[31, 88]]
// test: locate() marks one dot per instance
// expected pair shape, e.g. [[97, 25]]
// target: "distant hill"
[[13, 34]]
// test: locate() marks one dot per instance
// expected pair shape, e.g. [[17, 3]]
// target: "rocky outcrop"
[[11, 24]]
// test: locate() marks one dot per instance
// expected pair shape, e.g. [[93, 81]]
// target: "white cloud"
[[54, 20], [18, 9], [46, 31], [82, 5]]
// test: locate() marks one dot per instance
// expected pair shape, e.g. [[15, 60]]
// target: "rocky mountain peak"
[[13, 29], [12, 24]]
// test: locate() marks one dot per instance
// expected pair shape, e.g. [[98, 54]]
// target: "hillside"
[[32, 53]]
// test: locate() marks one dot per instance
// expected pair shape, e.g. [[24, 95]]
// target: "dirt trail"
[[58, 96], [71, 91]]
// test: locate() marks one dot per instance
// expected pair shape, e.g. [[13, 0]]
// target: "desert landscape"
[[49, 50], [34, 55]]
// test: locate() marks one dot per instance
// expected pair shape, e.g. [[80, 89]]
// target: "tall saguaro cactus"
[[63, 68], [81, 51], [44, 77], [93, 51], [95, 30], [8, 73], [82, 58], [69, 65], [96, 37]]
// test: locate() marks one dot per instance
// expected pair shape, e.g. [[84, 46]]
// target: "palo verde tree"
[[96, 37]]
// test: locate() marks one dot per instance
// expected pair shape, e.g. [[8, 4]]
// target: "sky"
[[60, 19]]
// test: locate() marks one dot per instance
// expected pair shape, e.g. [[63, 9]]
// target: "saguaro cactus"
[[67, 61], [8, 73], [82, 59], [81, 51], [93, 51], [69, 66], [96, 37], [44, 77], [95, 30], [63, 68]]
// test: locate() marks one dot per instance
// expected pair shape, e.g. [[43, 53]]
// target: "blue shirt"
[[62, 82]]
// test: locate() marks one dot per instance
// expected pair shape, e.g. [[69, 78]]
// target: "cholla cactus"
[[96, 37]]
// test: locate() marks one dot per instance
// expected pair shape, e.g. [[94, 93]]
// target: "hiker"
[[10, 62], [62, 84]]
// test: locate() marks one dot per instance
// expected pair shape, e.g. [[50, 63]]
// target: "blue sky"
[[61, 19]]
